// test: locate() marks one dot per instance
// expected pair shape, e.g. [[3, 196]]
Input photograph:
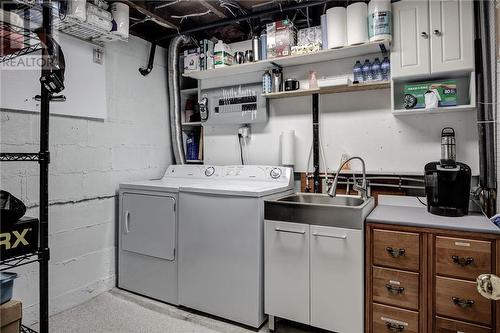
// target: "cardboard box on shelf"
[[280, 38], [191, 60], [10, 316]]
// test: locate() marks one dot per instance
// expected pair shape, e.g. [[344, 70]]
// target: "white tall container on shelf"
[[379, 20], [336, 27], [357, 29], [288, 148]]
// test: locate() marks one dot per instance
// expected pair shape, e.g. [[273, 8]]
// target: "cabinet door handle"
[[462, 261], [393, 327], [330, 236], [424, 35], [437, 32], [394, 289], [395, 253], [463, 303], [127, 222], [290, 231]]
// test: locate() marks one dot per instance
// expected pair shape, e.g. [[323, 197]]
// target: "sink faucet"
[[362, 190]]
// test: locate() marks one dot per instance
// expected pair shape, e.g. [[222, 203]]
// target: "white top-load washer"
[[148, 224], [221, 240]]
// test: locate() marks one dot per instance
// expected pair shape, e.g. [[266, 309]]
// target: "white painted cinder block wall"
[[89, 160]]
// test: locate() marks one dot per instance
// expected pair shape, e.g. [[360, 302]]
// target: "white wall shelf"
[[189, 91], [458, 108], [192, 124], [321, 56]]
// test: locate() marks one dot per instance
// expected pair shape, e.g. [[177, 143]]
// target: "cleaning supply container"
[[6, 286]]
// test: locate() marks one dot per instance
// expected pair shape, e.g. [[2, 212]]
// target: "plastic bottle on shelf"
[[385, 69], [266, 82], [367, 71], [376, 72], [357, 71]]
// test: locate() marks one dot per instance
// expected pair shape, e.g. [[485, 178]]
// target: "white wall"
[[356, 123], [89, 159]]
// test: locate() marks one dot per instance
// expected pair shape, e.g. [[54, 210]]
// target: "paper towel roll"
[[336, 23], [288, 147], [120, 12], [324, 32], [357, 29]]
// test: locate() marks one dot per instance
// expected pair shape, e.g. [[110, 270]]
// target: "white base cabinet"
[[314, 275], [337, 279], [287, 270]]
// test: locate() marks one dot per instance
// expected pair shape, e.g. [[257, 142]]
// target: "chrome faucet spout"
[[362, 190]]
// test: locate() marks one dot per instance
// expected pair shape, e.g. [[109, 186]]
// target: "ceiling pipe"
[[245, 17], [147, 70]]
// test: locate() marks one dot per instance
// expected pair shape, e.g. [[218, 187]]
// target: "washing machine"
[[221, 241], [148, 225]]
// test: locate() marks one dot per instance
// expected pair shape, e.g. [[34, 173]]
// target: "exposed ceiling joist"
[[212, 8], [162, 21]]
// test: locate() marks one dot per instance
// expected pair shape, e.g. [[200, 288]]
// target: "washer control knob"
[[209, 171], [275, 173]]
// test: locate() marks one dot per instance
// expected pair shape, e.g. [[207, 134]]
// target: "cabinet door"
[[337, 281], [148, 225], [452, 35], [287, 270], [410, 44]]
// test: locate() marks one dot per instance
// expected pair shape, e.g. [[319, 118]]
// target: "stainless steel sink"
[[321, 199], [320, 209]]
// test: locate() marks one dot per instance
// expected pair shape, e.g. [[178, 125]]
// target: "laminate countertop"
[[410, 212]]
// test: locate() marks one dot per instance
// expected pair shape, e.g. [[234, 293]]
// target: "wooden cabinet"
[[432, 37], [434, 289]]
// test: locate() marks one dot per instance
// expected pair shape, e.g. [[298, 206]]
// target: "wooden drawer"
[[395, 287], [451, 291], [452, 326], [390, 319], [462, 258], [396, 249]]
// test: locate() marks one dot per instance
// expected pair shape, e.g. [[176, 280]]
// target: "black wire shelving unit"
[[17, 41]]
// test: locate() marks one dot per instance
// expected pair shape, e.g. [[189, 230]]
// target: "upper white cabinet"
[[432, 37], [410, 42], [452, 35]]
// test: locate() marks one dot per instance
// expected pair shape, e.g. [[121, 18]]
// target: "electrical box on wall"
[[241, 104]]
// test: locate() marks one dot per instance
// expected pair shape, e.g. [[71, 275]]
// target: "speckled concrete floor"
[[118, 311]]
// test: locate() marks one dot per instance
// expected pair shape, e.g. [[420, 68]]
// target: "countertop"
[[410, 212]]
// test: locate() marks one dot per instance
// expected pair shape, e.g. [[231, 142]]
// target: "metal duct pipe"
[[175, 98], [486, 99]]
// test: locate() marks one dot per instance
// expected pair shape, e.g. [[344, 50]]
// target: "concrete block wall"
[[89, 158]]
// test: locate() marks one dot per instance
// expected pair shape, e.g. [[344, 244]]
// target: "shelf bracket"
[[383, 49]]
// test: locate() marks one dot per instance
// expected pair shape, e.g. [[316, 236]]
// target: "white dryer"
[[148, 224], [221, 241]]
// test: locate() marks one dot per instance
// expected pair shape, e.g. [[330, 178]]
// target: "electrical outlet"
[[244, 131], [98, 55]]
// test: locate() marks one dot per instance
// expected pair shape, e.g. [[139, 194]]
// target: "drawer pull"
[[463, 303], [393, 327], [277, 229], [462, 261], [394, 289], [395, 253]]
